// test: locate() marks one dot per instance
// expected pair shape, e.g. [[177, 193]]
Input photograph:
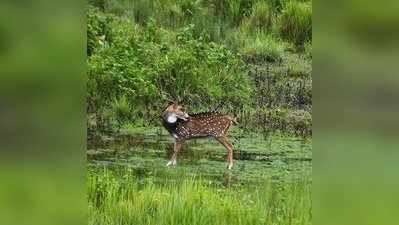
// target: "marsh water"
[[145, 152]]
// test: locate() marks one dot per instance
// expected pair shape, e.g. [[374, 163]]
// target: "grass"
[[261, 17], [149, 44], [263, 46], [297, 70], [308, 50], [296, 22], [121, 198]]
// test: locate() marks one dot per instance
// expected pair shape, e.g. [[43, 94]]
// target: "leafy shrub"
[[296, 22], [145, 66], [95, 27], [101, 4], [143, 53], [114, 70], [201, 73]]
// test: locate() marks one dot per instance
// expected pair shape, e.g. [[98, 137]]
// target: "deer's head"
[[174, 112]]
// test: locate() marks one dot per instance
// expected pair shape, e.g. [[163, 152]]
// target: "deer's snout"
[[183, 116], [186, 116]]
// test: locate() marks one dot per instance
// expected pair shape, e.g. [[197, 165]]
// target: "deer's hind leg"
[[225, 142], [176, 148]]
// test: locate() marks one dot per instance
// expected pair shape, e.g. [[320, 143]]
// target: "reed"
[[120, 198], [296, 22]]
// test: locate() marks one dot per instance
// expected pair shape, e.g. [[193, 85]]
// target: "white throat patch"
[[171, 118]]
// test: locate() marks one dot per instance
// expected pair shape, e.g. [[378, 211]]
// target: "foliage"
[[121, 199], [296, 22], [148, 67], [95, 26], [121, 109], [200, 52], [277, 5]]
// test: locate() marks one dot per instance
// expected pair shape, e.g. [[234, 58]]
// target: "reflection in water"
[[227, 179]]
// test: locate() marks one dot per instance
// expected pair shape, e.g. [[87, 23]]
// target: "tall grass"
[[308, 49], [296, 22], [261, 17], [121, 199], [263, 46]]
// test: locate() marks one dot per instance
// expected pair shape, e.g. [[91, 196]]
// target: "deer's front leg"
[[229, 148], [176, 149]]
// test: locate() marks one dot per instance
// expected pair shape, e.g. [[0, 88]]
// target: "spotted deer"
[[183, 126]]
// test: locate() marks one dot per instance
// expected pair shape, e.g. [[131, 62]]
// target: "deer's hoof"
[[171, 163]]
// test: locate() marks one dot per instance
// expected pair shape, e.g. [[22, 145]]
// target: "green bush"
[[296, 22], [95, 27], [148, 65], [144, 53]]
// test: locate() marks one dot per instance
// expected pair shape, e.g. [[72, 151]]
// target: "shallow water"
[[257, 159]]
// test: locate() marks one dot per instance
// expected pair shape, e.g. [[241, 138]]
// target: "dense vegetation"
[[248, 58], [123, 199]]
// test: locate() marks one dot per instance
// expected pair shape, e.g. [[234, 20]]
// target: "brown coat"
[[203, 125]]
